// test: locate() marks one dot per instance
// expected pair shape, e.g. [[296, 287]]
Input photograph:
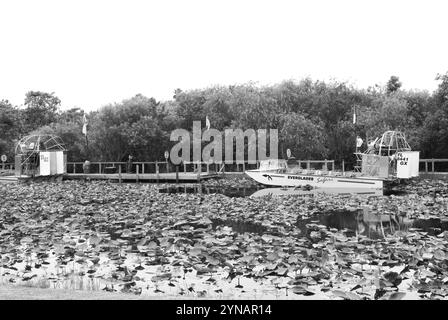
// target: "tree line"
[[314, 119]]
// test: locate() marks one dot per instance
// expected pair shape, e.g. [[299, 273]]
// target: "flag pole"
[[84, 131], [356, 133], [87, 146]]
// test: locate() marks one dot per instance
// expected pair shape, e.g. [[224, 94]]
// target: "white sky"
[[95, 52]]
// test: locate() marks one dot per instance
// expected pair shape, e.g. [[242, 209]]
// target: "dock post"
[[177, 174], [332, 165], [244, 166], [426, 166], [308, 165], [208, 167], [167, 167], [432, 165], [157, 171], [343, 165], [199, 171], [119, 173], [185, 168], [143, 168], [137, 171], [74, 167], [99, 167]]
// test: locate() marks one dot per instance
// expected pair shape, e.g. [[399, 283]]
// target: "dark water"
[[240, 226], [364, 222], [361, 222], [357, 222], [394, 192], [230, 192], [258, 191], [350, 222]]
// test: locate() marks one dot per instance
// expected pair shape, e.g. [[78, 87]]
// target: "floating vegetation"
[[131, 238]]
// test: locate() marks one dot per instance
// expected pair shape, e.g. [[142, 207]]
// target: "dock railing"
[[442, 165], [7, 168], [117, 166], [142, 167]]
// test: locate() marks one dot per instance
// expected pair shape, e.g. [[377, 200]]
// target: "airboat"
[[40, 155], [387, 159]]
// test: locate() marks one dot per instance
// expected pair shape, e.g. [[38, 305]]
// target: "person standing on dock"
[[129, 164], [86, 166]]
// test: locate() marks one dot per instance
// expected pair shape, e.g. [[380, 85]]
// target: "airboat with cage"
[[40, 155], [388, 158]]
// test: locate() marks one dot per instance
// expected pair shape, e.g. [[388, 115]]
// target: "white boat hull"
[[298, 192], [316, 181]]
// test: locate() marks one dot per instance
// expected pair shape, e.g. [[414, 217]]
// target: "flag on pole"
[[84, 125], [207, 122], [359, 142]]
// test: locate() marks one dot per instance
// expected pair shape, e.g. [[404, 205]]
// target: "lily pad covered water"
[[131, 238]]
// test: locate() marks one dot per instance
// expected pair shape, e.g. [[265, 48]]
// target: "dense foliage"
[[313, 118]]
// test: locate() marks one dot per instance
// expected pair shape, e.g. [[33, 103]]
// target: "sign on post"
[[167, 155]]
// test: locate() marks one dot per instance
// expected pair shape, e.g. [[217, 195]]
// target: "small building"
[[40, 155]]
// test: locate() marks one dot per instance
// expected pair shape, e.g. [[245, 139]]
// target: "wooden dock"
[[147, 177], [162, 171], [8, 179]]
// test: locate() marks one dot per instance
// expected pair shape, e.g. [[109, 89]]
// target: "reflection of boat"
[[299, 192], [386, 159]]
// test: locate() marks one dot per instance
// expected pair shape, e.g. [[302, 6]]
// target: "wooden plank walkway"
[[433, 175], [8, 179], [171, 176]]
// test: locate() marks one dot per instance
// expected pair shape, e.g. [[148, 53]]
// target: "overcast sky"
[[95, 52]]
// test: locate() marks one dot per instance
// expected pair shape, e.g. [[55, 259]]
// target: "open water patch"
[[372, 225], [239, 226], [230, 192]]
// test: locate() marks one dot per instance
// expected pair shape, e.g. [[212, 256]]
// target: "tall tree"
[[303, 137], [131, 127], [10, 127], [41, 109], [393, 84]]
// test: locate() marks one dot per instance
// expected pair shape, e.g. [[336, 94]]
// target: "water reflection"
[[258, 191], [370, 224], [300, 192], [230, 192]]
